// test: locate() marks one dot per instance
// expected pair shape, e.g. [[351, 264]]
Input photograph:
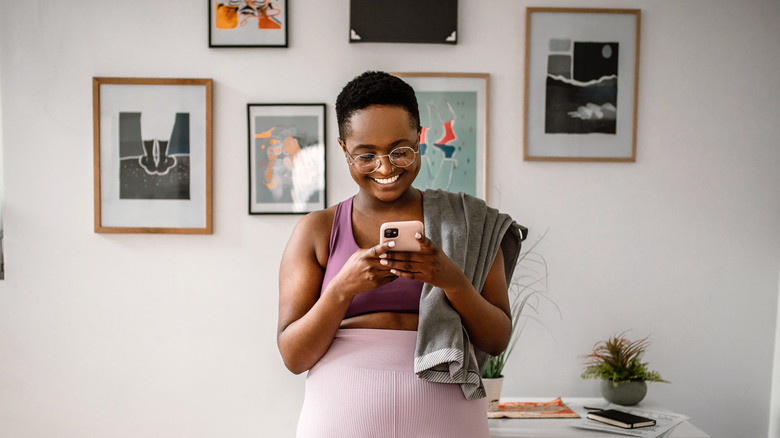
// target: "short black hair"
[[374, 88]]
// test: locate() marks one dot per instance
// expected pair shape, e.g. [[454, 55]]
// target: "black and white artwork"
[[154, 166], [581, 91], [581, 84], [153, 155]]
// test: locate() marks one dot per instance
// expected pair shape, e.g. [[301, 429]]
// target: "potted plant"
[[618, 363], [526, 291]]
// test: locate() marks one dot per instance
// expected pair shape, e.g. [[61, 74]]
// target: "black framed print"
[[286, 145], [403, 21]]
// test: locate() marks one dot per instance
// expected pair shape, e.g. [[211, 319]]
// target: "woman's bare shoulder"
[[317, 222], [312, 234]]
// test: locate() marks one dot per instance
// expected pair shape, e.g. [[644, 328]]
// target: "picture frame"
[[286, 155], [240, 23], [581, 84], [454, 114], [403, 21], [152, 155]]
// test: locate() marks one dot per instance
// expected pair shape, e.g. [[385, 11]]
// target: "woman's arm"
[[305, 333], [486, 315], [307, 321]]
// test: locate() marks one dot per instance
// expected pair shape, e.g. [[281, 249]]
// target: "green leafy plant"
[[620, 360], [527, 290]]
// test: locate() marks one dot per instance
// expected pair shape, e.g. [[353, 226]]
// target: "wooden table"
[[564, 427]]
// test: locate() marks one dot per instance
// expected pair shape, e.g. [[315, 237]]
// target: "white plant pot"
[[493, 391]]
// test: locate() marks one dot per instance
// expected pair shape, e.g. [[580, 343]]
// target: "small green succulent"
[[620, 360]]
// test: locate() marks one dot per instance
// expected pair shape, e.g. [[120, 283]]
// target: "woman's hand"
[[485, 314], [430, 265], [362, 272]]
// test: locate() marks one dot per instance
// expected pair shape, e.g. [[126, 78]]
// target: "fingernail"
[[418, 235], [391, 244], [393, 271], [383, 262], [383, 256]]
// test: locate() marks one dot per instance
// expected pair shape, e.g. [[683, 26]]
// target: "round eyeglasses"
[[368, 163]]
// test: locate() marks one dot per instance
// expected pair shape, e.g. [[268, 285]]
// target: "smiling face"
[[378, 129]]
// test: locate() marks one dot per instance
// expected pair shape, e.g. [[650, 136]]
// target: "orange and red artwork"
[[248, 23], [287, 158]]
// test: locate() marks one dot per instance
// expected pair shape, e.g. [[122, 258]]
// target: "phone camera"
[[391, 233]]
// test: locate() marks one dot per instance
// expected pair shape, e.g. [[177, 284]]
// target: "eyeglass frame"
[[379, 157]]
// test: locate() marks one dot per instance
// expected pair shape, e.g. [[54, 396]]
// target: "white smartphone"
[[402, 233]]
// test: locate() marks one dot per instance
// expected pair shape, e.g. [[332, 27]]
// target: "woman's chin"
[[388, 189]]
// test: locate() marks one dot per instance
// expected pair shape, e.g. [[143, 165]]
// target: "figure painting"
[[453, 139], [448, 141], [287, 167]]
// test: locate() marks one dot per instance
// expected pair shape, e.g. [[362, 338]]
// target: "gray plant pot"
[[625, 393]]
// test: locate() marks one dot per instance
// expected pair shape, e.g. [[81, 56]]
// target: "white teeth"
[[390, 180]]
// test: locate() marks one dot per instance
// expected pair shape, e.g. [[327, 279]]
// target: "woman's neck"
[[410, 201]]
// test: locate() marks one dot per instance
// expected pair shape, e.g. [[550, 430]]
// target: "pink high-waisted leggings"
[[365, 387]]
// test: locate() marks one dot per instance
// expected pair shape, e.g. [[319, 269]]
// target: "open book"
[[550, 409]]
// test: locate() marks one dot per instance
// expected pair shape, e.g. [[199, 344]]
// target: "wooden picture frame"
[[286, 149], [152, 155], [239, 23], [581, 84], [454, 114]]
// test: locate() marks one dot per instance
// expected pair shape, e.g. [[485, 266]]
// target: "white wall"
[[167, 335], [774, 412]]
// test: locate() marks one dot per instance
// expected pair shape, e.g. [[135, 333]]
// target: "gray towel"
[[470, 233]]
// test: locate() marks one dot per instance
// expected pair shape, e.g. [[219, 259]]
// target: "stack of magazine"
[[665, 422]]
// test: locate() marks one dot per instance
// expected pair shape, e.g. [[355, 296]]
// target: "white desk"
[[564, 427]]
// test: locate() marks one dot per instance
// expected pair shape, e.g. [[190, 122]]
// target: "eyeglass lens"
[[400, 157]]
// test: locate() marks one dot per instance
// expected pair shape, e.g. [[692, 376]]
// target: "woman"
[[350, 307]]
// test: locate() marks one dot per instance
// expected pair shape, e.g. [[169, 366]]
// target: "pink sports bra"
[[400, 295]]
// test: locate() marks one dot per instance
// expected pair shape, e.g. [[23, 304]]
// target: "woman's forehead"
[[380, 127], [381, 116]]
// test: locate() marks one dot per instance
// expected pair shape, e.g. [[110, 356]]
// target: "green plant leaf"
[[527, 290], [620, 360]]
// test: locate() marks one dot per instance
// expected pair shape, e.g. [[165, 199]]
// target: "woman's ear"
[[344, 149]]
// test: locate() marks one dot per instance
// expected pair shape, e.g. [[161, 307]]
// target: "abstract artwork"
[[581, 84], [248, 23], [453, 139], [152, 155], [154, 166], [286, 145]]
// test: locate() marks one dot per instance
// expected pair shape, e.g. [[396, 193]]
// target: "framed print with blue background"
[[286, 158], [581, 82], [248, 23], [454, 137], [152, 155]]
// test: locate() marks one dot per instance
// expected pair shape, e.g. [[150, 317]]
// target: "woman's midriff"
[[382, 320]]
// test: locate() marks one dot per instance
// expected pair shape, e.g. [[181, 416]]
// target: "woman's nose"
[[385, 166]]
